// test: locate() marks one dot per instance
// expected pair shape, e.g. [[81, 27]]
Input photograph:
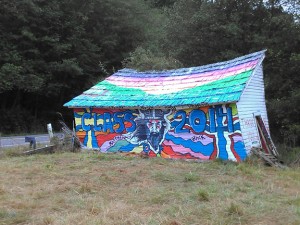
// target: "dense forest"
[[52, 50]]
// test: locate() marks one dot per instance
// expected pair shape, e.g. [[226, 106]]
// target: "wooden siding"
[[252, 103]]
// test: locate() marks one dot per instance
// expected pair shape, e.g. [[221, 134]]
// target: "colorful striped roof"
[[211, 84]]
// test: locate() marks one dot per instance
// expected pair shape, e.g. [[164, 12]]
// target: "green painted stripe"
[[224, 90]]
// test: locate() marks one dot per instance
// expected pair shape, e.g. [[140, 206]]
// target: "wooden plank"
[[263, 140], [272, 161], [46, 149], [264, 134]]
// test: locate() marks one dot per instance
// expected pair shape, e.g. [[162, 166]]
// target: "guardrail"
[[11, 141]]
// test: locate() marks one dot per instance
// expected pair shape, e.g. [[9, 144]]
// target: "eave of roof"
[[211, 84]]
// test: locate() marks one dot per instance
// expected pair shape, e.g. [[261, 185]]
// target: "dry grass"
[[89, 188]]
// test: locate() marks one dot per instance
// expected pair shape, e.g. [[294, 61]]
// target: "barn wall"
[[252, 103], [198, 133]]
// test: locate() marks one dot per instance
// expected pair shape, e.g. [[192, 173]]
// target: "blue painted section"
[[197, 147], [128, 148], [240, 149]]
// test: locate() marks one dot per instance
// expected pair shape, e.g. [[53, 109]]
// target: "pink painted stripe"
[[175, 86], [183, 150], [237, 138], [206, 76], [190, 136]]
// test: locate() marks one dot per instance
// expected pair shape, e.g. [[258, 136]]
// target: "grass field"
[[90, 188]]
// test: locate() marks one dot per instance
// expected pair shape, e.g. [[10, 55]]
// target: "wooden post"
[[50, 132]]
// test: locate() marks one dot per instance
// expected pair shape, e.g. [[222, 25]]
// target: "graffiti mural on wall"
[[151, 128], [196, 133]]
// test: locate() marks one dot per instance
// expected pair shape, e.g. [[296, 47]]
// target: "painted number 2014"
[[197, 120]]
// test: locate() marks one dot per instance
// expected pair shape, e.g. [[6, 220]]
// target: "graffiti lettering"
[[116, 139], [248, 123], [197, 138], [197, 120], [181, 115], [130, 118], [212, 124], [108, 122], [86, 116], [96, 126], [221, 115], [118, 119]]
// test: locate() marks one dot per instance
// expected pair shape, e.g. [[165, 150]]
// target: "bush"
[[287, 154]]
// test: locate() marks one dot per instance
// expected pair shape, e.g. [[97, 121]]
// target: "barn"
[[206, 112]]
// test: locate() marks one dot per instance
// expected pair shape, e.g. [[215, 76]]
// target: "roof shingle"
[[204, 85]]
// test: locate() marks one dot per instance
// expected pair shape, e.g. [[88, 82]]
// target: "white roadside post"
[[50, 132]]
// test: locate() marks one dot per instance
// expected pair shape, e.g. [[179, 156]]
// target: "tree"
[[52, 50], [145, 60], [195, 37]]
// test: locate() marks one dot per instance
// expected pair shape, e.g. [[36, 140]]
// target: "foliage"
[[142, 59], [194, 37], [289, 155], [203, 195], [13, 152], [52, 50]]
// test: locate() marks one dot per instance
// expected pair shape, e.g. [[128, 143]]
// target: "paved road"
[[6, 142]]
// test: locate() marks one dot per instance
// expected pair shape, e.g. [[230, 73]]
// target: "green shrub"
[[202, 195], [191, 177], [234, 209]]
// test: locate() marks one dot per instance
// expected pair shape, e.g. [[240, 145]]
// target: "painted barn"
[[205, 112]]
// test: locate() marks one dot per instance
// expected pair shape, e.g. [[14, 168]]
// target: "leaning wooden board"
[[46, 149]]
